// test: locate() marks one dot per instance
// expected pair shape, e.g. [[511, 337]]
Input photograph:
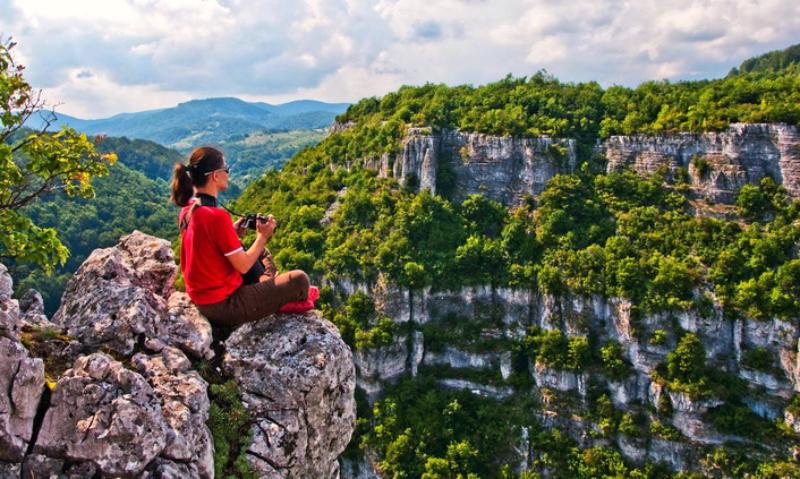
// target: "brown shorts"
[[255, 301]]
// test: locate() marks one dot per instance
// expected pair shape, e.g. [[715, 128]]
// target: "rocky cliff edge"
[[109, 388]]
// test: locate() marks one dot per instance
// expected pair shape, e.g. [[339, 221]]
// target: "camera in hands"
[[251, 219]]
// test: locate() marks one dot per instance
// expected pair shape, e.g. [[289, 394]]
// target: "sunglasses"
[[226, 170]]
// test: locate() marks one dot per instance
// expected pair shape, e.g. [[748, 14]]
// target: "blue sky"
[[97, 58]]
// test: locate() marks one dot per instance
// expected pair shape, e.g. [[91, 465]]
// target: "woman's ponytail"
[[182, 189], [195, 173]]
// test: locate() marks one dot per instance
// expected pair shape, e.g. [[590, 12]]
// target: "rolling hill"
[[197, 122]]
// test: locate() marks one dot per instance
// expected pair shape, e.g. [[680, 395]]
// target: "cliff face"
[[718, 164], [507, 169], [715, 166], [725, 342], [503, 169], [139, 409]]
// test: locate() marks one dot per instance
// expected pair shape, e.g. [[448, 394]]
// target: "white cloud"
[[87, 94], [94, 56]]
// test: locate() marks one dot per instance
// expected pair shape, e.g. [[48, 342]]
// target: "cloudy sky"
[[97, 58]]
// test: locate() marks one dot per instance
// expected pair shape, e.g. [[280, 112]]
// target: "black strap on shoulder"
[[202, 200], [185, 220]]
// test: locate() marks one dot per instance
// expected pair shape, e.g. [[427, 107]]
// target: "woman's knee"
[[300, 279]]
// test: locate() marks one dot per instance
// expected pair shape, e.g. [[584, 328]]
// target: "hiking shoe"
[[313, 293], [297, 307]]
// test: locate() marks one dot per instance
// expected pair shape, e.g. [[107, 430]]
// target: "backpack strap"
[[184, 224], [188, 216]]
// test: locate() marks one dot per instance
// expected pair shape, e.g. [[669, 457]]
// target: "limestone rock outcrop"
[[31, 310], [139, 410], [606, 319], [21, 387], [297, 377], [120, 297], [504, 169], [718, 164], [103, 413], [9, 308]]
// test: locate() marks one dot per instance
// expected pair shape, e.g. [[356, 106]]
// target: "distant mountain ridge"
[[201, 121]]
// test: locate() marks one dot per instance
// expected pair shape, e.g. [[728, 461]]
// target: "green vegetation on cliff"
[[616, 235], [766, 91], [590, 232]]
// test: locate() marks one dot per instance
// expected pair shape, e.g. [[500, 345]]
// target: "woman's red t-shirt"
[[208, 240]]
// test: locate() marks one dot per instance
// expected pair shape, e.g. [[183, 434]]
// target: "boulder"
[[9, 308], [102, 413], [21, 388], [298, 379], [37, 465], [186, 328], [184, 405], [31, 309], [6, 284], [10, 470], [118, 299]]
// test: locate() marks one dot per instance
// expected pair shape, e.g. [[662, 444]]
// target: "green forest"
[[590, 232], [615, 234], [134, 196]]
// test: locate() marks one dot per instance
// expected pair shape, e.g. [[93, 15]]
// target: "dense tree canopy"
[[590, 232]]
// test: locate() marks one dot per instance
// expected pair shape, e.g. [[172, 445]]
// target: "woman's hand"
[[266, 229], [243, 260], [237, 225]]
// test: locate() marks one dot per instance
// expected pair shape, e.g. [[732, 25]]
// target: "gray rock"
[[632, 449], [106, 414], [9, 308], [381, 364], [10, 470], [457, 358], [184, 405], [297, 377], [6, 284], [685, 403], [80, 470], [10, 324], [162, 468], [31, 308], [495, 392], [185, 328], [113, 297], [678, 456], [21, 387], [39, 466], [559, 379], [696, 429], [118, 298], [745, 153], [503, 169], [31, 302], [363, 469]]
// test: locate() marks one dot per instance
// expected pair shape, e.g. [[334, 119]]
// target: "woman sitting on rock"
[[229, 285]]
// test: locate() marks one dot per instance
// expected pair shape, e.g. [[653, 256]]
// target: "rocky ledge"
[[717, 164], [108, 388]]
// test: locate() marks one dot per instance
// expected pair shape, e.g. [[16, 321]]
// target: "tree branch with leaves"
[[37, 165]]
